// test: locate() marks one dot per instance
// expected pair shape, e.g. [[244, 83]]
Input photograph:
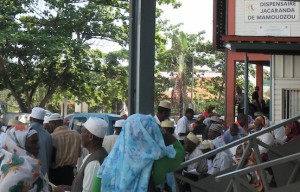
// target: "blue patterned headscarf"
[[128, 166]]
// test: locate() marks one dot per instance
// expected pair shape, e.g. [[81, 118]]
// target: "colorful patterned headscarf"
[[295, 130], [19, 170], [128, 166], [15, 139]]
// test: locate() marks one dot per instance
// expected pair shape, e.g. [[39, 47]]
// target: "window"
[[291, 101], [77, 123]]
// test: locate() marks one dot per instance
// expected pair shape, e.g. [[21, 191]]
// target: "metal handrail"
[[252, 143], [261, 166], [237, 142]]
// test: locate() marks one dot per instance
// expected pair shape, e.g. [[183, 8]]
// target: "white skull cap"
[[119, 123], [38, 113], [55, 117], [96, 126]]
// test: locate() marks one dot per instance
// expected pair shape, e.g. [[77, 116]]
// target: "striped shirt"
[[67, 145]]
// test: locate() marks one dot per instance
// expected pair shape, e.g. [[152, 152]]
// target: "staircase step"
[[294, 187]]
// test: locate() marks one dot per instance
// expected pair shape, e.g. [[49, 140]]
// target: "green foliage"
[[45, 51]]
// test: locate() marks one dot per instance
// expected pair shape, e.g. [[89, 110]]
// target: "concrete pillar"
[[230, 89], [141, 56]]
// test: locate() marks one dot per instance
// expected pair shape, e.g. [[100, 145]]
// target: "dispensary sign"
[[264, 11]]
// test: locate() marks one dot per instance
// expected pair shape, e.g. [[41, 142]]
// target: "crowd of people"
[[141, 155]]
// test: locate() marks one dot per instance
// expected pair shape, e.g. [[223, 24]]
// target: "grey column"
[[141, 56]]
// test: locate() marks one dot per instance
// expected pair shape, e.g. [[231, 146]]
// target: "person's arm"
[[96, 185], [225, 163], [62, 188], [182, 134], [90, 172], [50, 151], [166, 164]]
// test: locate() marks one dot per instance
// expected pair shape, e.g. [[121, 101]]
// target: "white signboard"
[[267, 11], [273, 30]]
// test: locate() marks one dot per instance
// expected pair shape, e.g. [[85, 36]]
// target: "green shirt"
[[165, 165], [160, 167]]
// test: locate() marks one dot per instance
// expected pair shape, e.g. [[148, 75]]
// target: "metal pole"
[[246, 102], [192, 92]]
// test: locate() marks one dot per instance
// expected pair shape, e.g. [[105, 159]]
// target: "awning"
[[266, 45]]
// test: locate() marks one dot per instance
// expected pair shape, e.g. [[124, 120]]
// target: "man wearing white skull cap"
[[192, 147], [219, 162], [109, 140], [94, 130], [163, 111], [45, 141]]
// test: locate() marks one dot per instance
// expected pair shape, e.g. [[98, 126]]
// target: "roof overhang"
[[266, 45]]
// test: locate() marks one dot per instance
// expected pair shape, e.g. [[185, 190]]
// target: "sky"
[[196, 15]]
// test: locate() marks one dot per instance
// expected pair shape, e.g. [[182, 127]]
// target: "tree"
[[178, 61], [48, 48], [45, 46]]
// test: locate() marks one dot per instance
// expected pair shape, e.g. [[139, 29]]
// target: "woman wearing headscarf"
[[20, 169], [267, 138], [141, 157], [292, 131]]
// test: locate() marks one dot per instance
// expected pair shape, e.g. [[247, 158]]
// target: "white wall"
[[285, 75]]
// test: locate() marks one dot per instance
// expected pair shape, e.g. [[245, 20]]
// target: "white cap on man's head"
[[96, 126], [193, 138], [165, 104], [38, 113], [119, 123], [55, 117]]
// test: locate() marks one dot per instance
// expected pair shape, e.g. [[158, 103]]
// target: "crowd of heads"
[[199, 135]]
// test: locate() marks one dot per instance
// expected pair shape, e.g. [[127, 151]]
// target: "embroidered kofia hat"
[[167, 124], [13, 123], [193, 138], [207, 144], [165, 104]]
